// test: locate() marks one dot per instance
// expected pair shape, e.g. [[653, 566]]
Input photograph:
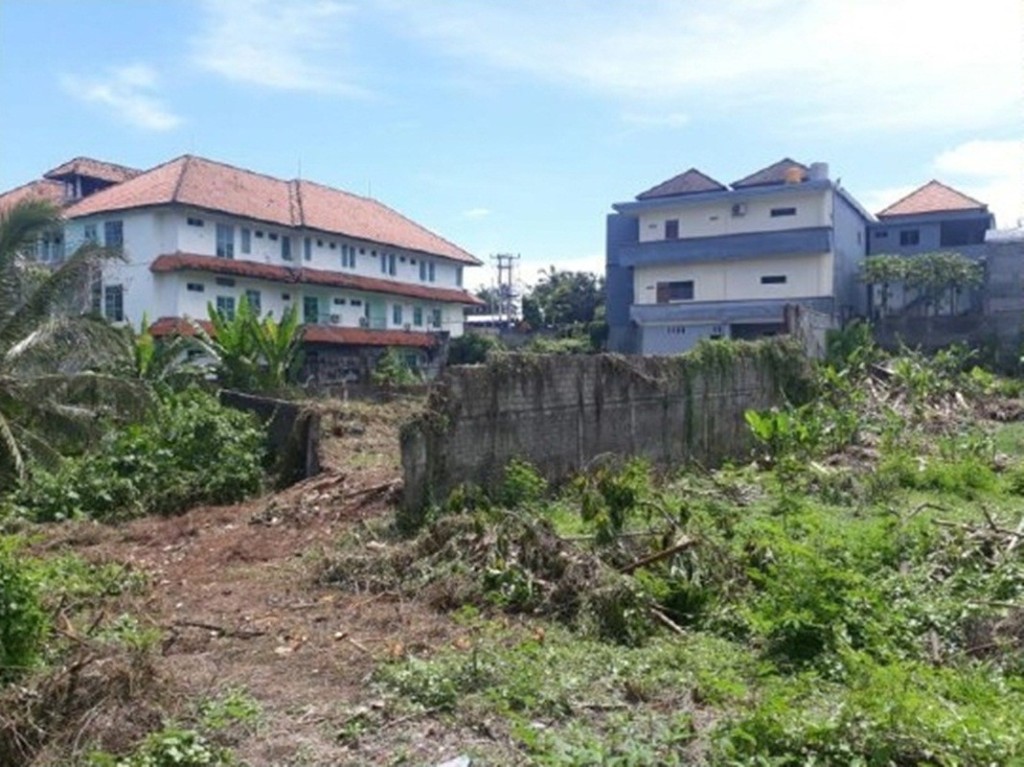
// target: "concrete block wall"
[[561, 412]]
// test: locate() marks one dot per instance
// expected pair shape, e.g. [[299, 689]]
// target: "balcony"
[[759, 310], [730, 247]]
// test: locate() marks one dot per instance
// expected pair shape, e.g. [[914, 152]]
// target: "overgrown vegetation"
[[190, 450], [853, 595]]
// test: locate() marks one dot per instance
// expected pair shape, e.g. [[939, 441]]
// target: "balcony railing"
[[730, 247]]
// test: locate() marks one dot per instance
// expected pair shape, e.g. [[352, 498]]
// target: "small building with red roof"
[[932, 217]]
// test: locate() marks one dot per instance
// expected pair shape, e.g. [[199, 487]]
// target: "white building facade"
[[197, 234]]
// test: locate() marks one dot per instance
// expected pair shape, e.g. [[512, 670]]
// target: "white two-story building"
[[199, 233]]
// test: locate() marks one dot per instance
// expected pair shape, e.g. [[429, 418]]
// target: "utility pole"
[[507, 295]]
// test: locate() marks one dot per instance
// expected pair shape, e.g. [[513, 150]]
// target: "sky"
[[512, 126]]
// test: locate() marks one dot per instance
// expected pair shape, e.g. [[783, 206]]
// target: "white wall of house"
[[715, 218], [153, 232], [741, 280], [325, 251]]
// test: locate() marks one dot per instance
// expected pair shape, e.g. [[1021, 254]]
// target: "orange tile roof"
[[43, 189], [86, 166], [320, 334], [178, 326], [202, 183], [933, 197], [331, 334], [177, 262]]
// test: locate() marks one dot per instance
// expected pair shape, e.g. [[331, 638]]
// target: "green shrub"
[[170, 747], [393, 370], [521, 484], [192, 450], [23, 623], [472, 348]]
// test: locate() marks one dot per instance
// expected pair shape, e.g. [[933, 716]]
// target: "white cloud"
[[295, 45], [823, 63], [128, 93], [476, 213], [990, 171]]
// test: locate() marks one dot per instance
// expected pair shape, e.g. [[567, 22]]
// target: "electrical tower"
[[508, 311]]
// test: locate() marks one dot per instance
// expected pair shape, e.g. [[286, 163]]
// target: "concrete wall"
[[849, 242], [293, 433], [559, 413]]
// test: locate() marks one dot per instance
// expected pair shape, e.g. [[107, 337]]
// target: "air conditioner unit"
[[364, 322], [739, 209], [335, 319], [407, 326]]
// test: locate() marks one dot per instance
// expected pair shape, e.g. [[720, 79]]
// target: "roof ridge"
[[181, 177], [296, 186]]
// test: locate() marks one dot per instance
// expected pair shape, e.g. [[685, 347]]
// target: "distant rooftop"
[[776, 173], [87, 166], [691, 181], [933, 197]]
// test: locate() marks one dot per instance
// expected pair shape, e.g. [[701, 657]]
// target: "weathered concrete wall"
[[560, 412], [293, 433]]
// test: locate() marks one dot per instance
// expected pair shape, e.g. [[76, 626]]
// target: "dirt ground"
[[234, 593]]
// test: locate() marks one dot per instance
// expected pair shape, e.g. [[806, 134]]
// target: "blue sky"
[[512, 125]]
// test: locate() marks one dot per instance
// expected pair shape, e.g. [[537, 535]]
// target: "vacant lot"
[[852, 595]]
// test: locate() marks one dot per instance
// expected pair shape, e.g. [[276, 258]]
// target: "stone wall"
[[562, 412], [293, 433]]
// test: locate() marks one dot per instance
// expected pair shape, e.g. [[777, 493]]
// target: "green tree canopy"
[[564, 297], [52, 354]]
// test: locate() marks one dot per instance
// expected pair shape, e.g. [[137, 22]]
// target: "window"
[[307, 249], [387, 263], [777, 212], [113, 234], [396, 314], [348, 257], [773, 279], [246, 244], [310, 310], [254, 300], [96, 289], [423, 271], [113, 303], [271, 235], [356, 302], [319, 243], [194, 221], [286, 248], [458, 276], [435, 317], [417, 316], [880, 234], [333, 245], [391, 264], [668, 292], [430, 272], [672, 229], [227, 282], [910, 237], [226, 307], [90, 234], [286, 296], [259, 234], [225, 241], [196, 287]]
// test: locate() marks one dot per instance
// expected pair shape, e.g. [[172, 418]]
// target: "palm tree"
[[52, 393]]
